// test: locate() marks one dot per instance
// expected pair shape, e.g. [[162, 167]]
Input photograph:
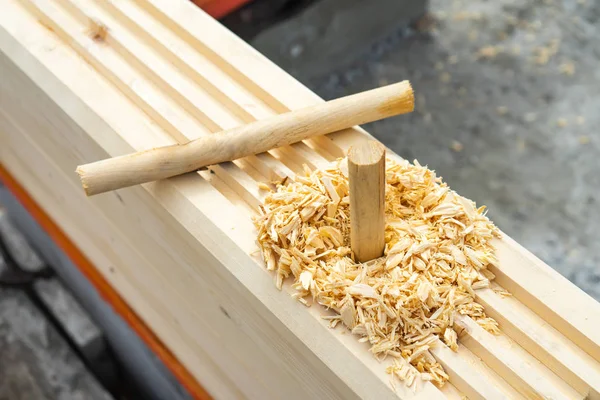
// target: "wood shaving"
[[457, 146], [489, 52], [264, 186], [501, 292], [567, 68], [438, 247], [544, 53]]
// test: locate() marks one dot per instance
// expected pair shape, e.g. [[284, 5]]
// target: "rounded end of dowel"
[[406, 101], [400, 99], [82, 177], [366, 153]]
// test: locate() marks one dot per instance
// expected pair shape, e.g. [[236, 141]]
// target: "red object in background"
[[219, 8], [103, 287]]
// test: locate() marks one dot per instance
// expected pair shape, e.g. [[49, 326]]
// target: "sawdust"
[[457, 146], [567, 68], [489, 52], [544, 53], [584, 139], [436, 256]]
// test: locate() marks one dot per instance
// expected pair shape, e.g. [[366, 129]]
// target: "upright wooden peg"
[[366, 174]]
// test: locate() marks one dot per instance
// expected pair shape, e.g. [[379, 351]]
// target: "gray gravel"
[[20, 250], [35, 363], [507, 113]]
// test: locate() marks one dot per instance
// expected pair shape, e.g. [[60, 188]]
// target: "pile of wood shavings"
[[436, 254]]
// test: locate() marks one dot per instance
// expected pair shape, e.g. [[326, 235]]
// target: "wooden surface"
[[182, 252], [366, 179]]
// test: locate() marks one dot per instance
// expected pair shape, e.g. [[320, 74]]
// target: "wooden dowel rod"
[[366, 175], [254, 138]]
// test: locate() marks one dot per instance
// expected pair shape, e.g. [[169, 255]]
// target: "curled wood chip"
[[450, 338], [489, 52], [438, 248], [501, 292], [362, 290]]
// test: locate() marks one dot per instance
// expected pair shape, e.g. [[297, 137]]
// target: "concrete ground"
[[51, 349], [508, 93]]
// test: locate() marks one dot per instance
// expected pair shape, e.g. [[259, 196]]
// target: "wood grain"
[[181, 251], [366, 178]]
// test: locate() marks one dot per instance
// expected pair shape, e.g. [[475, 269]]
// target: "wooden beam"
[[182, 253]]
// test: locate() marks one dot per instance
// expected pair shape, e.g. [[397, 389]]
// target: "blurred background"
[[507, 100]]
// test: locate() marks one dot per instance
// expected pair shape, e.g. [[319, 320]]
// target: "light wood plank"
[[544, 290], [286, 329], [543, 341], [471, 376], [526, 374], [192, 236]]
